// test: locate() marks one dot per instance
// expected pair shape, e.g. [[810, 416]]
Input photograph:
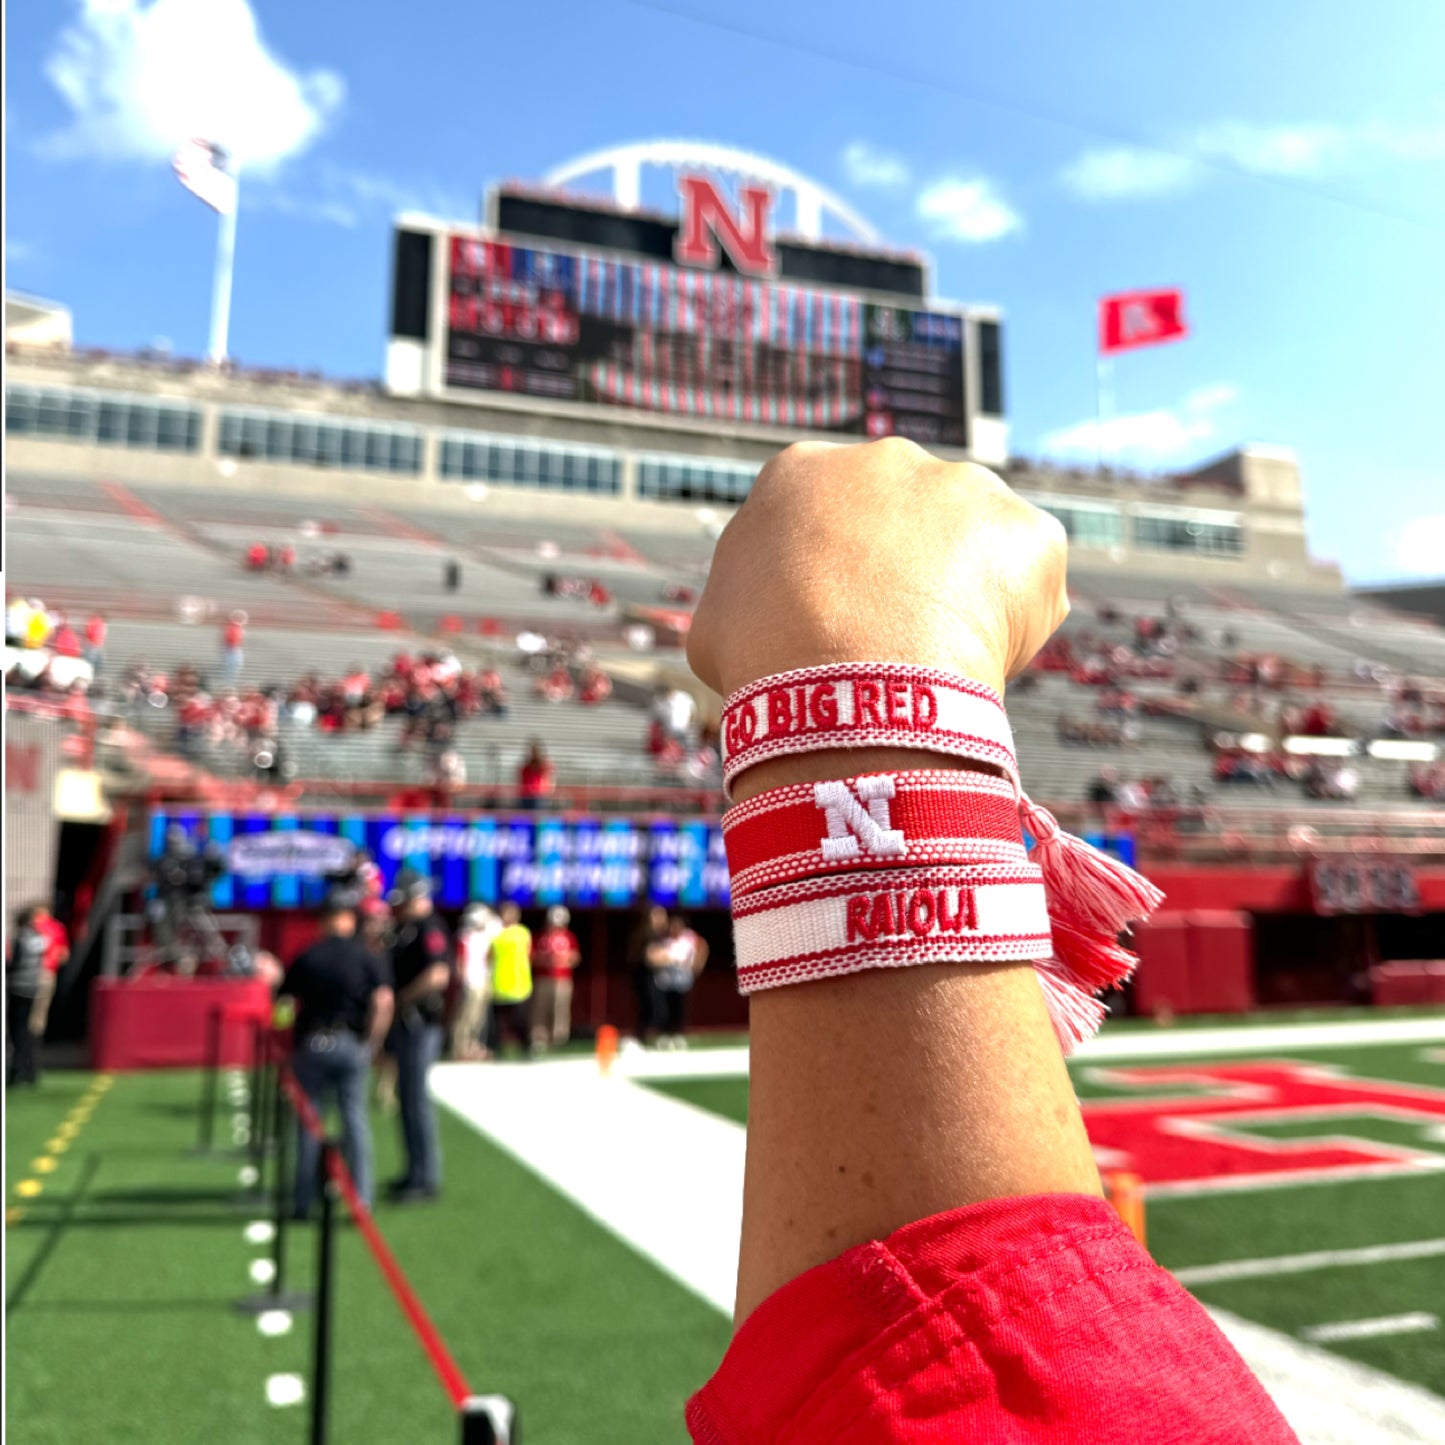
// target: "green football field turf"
[[1211, 1229], [123, 1270]]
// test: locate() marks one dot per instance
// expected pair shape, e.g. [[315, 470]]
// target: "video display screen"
[[571, 326]]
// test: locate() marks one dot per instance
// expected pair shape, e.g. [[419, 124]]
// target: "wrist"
[[831, 763]]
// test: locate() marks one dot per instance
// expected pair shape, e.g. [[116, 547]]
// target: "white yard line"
[[1415, 1323], [666, 1178], [1263, 1038], [732, 1062], [1307, 1263], [1291, 1179]]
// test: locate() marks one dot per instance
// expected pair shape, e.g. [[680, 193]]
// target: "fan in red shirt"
[[555, 955], [926, 1256], [65, 640], [95, 631], [537, 778], [57, 955], [233, 641]]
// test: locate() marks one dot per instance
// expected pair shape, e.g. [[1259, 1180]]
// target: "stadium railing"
[[279, 1106]]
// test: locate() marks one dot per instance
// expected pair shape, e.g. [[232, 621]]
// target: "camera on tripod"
[[183, 929], [185, 871]]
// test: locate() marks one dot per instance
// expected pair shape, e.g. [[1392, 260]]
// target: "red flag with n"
[[1140, 318]]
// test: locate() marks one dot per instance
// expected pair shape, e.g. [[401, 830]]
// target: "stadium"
[[281, 624]]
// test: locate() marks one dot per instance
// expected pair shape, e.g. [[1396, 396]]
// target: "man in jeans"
[[419, 963], [343, 1000], [23, 972]]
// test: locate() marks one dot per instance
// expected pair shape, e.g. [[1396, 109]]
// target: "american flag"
[[202, 168]]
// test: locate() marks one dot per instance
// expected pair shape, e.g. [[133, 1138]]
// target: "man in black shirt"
[[343, 997], [420, 952]]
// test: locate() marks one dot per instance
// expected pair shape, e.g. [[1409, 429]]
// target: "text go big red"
[[828, 707]]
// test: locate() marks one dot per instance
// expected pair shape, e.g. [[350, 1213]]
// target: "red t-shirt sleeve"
[[1034, 1321]]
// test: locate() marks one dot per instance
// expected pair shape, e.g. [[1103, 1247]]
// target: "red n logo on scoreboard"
[[707, 220]]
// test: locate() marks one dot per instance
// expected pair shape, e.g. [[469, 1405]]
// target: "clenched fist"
[[878, 552]]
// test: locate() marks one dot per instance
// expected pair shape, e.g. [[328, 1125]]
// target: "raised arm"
[[925, 1255], [884, 1097]]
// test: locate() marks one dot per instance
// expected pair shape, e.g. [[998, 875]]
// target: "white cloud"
[[1277, 150], [140, 78], [1420, 547], [1307, 149], [1127, 171], [867, 166], [1147, 436], [967, 210]]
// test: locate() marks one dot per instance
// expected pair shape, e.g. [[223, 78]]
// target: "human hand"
[[878, 552]]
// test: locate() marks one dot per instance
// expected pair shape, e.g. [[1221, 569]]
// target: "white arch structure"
[[626, 163]]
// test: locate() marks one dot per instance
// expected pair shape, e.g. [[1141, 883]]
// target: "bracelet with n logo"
[[880, 820]]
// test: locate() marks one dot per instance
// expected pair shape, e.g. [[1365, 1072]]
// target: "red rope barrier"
[[434, 1347], [453, 1381]]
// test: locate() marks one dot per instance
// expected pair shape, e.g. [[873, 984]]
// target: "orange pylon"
[[606, 1047], [1126, 1193]]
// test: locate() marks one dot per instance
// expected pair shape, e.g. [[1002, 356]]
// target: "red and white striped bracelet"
[[904, 819], [893, 918], [915, 866], [864, 705]]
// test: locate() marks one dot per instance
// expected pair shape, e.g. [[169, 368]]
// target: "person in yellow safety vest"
[[37, 627], [511, 983]]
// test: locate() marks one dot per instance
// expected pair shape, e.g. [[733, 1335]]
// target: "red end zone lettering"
[[1204, 1143]]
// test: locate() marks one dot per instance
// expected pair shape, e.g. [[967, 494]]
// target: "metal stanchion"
[[325, 1265], [282, 1128], [253, 1195], [490, 1420], [258, 1096], [206, 1139]]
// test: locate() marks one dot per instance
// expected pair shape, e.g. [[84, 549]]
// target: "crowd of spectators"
[[1325, 778], [679, 743], [1109, 790], [31, 626], [282, 560]]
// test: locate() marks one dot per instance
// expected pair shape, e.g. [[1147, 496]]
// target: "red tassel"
[[1094, 960], [1092, 899], [1074, 1012], [1086, 888]]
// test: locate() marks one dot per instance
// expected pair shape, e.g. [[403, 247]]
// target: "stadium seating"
[[136, 553]]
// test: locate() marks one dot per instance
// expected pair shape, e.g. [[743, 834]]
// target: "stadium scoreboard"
[[708, 317]]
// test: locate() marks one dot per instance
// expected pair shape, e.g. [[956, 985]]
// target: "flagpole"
[[1104, 383], [221, 285]]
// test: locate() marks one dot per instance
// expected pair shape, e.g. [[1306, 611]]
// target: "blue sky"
[[1284, 163]]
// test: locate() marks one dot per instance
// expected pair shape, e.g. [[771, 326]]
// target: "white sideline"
[[666, 1178], [647, 1167], [1306, 1263]]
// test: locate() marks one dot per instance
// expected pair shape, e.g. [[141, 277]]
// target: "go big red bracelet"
[[937, 846], [864, 705]]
